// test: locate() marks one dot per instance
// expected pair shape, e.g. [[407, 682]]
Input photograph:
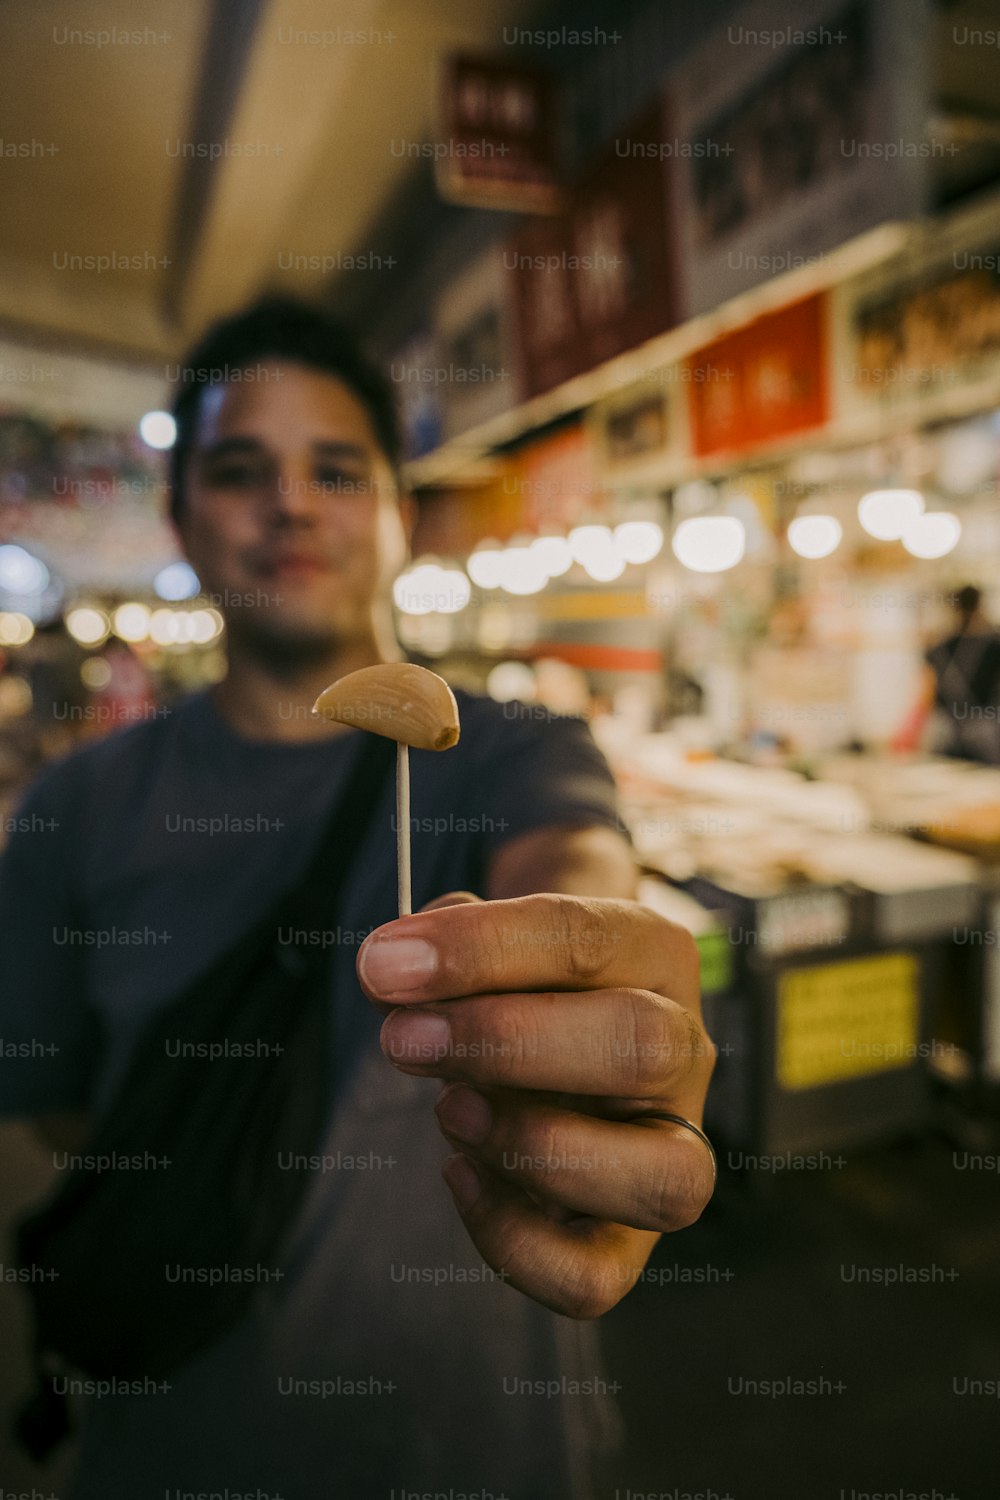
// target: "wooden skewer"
[[404, 703], [403, 893]]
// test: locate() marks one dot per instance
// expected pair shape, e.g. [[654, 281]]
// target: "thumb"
[[453, 898]]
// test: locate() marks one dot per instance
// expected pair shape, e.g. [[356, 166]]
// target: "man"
[[562, 1017]]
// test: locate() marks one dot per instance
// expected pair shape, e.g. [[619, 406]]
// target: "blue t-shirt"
[[388, 1356]]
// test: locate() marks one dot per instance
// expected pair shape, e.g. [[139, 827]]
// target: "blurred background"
[[693, 313]]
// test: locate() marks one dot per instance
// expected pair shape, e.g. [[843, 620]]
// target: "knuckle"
[[588, 933], [502, 1035], [591, 1293], [699, 1051], [571, 933], [670, 1192], [541, 1148], [643, 1041], [490, 951]]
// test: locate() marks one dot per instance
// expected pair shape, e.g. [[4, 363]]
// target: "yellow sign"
[[846, 1020]]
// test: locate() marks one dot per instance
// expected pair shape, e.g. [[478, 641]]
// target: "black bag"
[[247, 1082]]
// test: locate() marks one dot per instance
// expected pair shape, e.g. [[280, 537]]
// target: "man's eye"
[[334, 481], [234, 475]]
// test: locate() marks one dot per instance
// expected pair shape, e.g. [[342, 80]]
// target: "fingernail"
[[461, 1176], [395, 965], [416, 1037], [465, 1114]]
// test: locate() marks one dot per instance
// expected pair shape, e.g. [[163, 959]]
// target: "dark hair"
[[967, 600], [279, 327]]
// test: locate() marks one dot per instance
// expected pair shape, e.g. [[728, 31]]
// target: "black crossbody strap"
[[317, 890]]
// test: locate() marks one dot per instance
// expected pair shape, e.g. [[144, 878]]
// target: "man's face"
[[290, 517]]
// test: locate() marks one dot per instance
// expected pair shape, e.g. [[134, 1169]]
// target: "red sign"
[[764, 381], [599, 279], [499, 138]]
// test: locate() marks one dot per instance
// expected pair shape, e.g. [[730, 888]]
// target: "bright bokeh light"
[[554, 553], [15, 629], [484, 567], [177, 627], [509, 680], [886, 514], [590, 541], [522, 571], [815, 536], [638, 541], [158, 429], [454, 589], [431, 589], [21, 572], [934, 534], [161, 627], [95, 672], [709, 544], [88, 626], [131, 622], [604, 567], [208, 625], [178, 580]]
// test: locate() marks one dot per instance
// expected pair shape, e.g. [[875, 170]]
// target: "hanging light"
[[590, 541], [638, 541], [934, 534], [522, 571], [604, 567], [429, 588], [885, 514], [554, 553], [484, 566], [710, 544], [814, 536]]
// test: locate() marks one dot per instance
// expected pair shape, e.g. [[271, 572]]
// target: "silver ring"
[[688, 1125]]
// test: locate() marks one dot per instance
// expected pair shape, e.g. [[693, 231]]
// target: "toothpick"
[[403, 829], [407, 704]]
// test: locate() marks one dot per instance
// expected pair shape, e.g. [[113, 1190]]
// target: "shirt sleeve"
[[543, 772], [49, 1033]]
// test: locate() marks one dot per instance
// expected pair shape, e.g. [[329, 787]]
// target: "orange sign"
[[764, 381]]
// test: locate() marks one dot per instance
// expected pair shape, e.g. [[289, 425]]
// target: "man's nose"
[[294, 494]]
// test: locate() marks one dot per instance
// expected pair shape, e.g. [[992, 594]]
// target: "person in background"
[[960, 697], [562, 1017]]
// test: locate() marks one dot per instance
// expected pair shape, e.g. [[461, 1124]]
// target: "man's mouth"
[[295, 565]]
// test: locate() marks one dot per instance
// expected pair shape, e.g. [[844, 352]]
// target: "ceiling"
[[322, 94], [116, 136]]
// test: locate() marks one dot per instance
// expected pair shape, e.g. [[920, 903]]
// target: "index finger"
[[538, 942]]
